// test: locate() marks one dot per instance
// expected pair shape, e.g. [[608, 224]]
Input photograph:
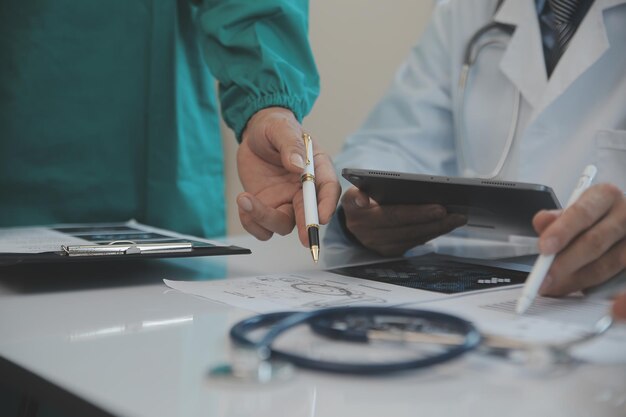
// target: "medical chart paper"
[[100, 241], [35, 240], [302, 291], [548, 320], [390, 282], [50, 238]]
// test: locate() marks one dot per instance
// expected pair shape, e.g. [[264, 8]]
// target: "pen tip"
[[315, 252], [522, 306]]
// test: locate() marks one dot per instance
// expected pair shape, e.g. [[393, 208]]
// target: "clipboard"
[[102, 242]]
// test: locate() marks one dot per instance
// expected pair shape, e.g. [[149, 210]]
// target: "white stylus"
[[310, 199], [543, 263]]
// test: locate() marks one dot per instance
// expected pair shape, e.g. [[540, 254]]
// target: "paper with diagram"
[[303, 291], [391, 282]]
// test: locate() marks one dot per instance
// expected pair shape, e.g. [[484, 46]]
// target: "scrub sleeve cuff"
[[297, 106]]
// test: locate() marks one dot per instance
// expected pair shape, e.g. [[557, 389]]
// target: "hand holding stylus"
[[539, 272], [588, 240]]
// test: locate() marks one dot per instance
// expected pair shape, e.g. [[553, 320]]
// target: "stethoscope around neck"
[[472, 51]]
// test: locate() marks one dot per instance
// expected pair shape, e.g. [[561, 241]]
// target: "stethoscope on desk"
[[421, 339], [470, 56]]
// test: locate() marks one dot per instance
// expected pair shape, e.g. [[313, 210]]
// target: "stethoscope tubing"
[[282, 322], [472, 50]]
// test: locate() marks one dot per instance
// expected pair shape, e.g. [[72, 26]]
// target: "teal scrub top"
[[108, 109]]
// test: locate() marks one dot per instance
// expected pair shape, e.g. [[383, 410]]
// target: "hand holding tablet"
[[501, 207]]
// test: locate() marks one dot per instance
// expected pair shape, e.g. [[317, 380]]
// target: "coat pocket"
[[610, 157]]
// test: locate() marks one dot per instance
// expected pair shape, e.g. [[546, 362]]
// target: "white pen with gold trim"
[[310, 199]]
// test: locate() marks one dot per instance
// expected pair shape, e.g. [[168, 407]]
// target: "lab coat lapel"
[[586, 47], [523, 63]]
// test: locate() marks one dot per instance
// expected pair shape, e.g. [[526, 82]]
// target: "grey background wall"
[[358, 44]]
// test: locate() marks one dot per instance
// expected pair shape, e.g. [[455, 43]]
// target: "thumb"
[[292, 150], [285, 134], [274, 135], [619, 307], [355, 199], [544, 218]]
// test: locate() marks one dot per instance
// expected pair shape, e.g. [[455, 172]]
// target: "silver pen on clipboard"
[[126, 247]]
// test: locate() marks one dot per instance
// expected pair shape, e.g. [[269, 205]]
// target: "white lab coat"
[[576, 117]]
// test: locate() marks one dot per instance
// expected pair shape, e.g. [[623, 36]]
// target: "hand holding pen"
[[270, 161]]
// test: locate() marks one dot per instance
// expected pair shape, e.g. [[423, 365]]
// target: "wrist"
[[278, 102], [260, 117], [341, 217]]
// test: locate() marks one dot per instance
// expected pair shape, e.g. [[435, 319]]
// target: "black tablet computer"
[[500, 207]]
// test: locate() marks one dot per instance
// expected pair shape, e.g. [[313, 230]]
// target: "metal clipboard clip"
[[126, 247]]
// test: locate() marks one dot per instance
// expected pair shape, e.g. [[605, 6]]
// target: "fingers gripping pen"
[[543, 263]]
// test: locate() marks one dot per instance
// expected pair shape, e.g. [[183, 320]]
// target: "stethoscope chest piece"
[[252, 366]]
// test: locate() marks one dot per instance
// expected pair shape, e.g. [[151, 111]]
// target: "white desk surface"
[[118, 338]]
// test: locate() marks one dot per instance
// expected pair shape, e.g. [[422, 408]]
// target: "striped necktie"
[[565, 24]]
